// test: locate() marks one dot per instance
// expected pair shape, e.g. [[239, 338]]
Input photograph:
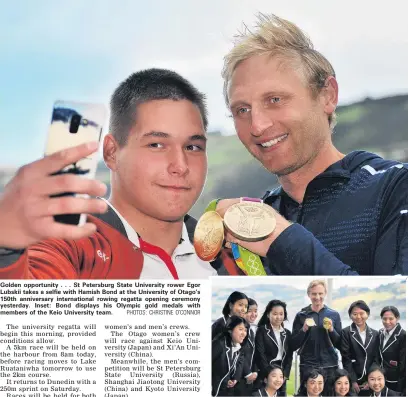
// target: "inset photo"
[[309, 336]]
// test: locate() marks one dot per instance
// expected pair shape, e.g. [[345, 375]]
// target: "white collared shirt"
[[254, 328], [279, 340], [387, 335], [235, 348], [273, 395], [363, 334], [185, 259]]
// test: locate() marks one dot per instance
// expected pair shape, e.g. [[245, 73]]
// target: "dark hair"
[[275, 302], [235, 296], [312, 374], [269, 369], [252, 302], [361, 305], [233, 322], [148, 85], [337, 375], [392, 309], [376, 367]]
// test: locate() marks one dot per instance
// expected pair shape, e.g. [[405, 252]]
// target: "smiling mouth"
[[175, 187], [273, 142]]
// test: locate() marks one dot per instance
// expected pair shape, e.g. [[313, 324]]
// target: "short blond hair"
[[315, 283], [278, 37]]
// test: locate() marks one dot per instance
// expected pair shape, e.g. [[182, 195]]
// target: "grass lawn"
[[290, 384]]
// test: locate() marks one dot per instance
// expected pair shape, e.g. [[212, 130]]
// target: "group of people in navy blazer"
[[255, 359]]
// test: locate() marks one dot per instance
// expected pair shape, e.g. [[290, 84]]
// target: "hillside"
[[388, 294]]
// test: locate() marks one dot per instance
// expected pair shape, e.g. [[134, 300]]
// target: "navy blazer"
[[266, 349], [218, 326], [225, 366], [357, 357], [393, 358]]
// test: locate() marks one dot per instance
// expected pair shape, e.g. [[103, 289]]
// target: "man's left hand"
[[330, 321]]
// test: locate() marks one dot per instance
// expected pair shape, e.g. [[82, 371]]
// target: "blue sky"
[[80, 50]]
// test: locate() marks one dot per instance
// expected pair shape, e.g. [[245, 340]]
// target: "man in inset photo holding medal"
[[334, 213], [316, 333]]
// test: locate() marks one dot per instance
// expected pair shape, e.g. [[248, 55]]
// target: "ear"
[[110, 151], [330, 95]]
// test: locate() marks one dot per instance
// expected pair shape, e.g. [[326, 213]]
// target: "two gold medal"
[[327, 322], [246, 220]]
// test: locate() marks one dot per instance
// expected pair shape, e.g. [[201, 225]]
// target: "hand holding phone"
[[27, 209], [72, 124]]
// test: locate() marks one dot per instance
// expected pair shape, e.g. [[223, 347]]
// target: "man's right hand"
[[259, 247], [305, 327], [26, 208]]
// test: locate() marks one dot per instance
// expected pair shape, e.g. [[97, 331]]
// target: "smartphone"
[[72, 124]]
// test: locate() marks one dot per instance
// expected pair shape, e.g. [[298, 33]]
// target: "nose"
[[177, 162], [261, 121]]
